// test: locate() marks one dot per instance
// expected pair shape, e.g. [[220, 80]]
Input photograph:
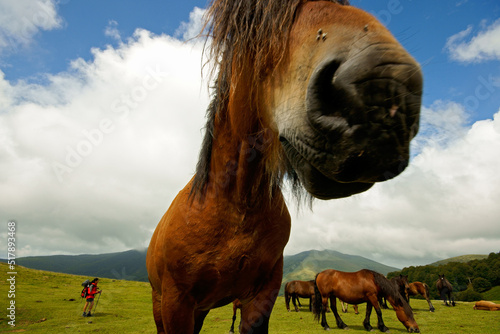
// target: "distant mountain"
[[131, 265], [305, 265], [461, 259]]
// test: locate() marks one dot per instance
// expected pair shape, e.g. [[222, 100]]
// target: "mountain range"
[[131, 265]]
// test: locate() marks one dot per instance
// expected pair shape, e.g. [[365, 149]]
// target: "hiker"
[[91, 292]]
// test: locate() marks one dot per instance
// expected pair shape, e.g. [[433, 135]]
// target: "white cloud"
[[485, 45], [443, 205], [105, 146], [112, 31], [441, 123], [191, 29], [21, 20]]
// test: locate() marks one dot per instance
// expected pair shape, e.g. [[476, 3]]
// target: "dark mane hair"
[[240, 32], [389, 289]]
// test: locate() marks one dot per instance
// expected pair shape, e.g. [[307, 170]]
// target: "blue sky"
[[96, 97], [423, 27]]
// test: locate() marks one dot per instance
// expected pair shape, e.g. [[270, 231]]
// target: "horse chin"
[[316, 182]]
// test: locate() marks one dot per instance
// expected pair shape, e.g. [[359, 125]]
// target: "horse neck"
[[238, 164]]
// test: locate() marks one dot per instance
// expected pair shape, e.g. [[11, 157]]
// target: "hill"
[[460, 259], [129, 265]]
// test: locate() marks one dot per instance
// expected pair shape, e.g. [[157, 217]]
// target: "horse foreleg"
[[255, 314], [366, 322], [287, 301], [374, 302], [324, 323], [199, 317], [294, 301], [157, 312], [431, 307], [443, 297], [333, 307], [344, 306], [231, 330], [178, 314]]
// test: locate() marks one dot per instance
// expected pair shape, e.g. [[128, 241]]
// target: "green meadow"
[[48, 302]]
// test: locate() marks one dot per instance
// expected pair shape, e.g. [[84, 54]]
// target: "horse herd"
[[358, 287], [364, 286]]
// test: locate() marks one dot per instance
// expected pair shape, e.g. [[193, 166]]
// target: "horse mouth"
[[317, 183], [359, 128]]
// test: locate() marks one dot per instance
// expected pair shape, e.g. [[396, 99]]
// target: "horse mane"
[[242, 32], [390, 290]]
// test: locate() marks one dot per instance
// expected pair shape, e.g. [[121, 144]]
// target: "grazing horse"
[[318, 93], [236, 306], [364, 286], [486, 306], [445, 290], [416, 288], [296, 289]]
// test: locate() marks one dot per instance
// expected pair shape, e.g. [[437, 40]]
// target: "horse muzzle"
[[363, 113]]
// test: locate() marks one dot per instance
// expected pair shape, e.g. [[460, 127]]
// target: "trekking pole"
[[97, 302]]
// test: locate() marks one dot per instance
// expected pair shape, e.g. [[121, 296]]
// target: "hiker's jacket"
[[92, 290]]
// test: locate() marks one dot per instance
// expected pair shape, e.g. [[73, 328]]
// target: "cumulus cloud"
[[104, 146], [21, 20], [193, 28], [443, 205], [485, 45]]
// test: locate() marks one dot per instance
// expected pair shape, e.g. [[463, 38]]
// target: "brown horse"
[[445, 290], [296, 289], [486, 306], [364, 286], [416, 288], [237, 305], [318, 93]]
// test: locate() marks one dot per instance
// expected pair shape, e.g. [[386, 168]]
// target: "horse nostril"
[[324, 97]]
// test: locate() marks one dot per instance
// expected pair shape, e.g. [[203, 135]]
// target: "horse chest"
[[225, 253]]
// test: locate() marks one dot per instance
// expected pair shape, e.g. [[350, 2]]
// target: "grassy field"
[[49, 302]]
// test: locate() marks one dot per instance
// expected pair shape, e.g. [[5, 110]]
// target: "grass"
[[49, 302]]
